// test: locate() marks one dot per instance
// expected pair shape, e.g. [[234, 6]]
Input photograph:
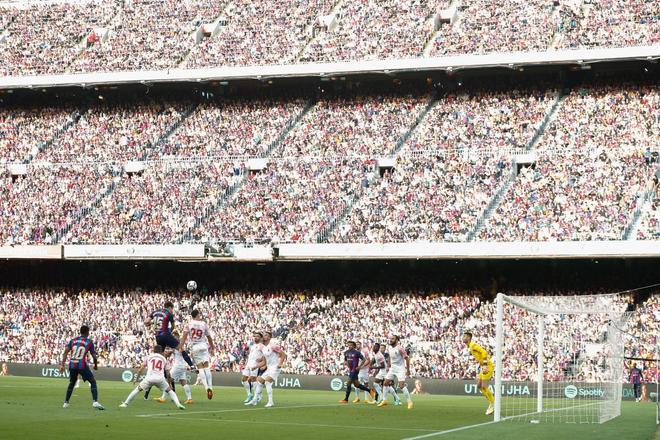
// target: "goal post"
[[559, 359]]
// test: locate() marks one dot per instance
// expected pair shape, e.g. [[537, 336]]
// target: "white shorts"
[[397, 373], [381, 374], [200, 353], [272, 372], [363, 376], [250, 372], [179, 373], [159, 382]]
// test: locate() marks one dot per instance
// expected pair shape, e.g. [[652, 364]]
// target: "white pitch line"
[[449, 431], [313, 425], [235, 410]]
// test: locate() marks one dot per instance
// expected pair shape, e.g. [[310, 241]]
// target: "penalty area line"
[[449, 431], [178, 413]]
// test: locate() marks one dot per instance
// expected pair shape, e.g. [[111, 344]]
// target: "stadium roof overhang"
[[341, 251], [568, 58]]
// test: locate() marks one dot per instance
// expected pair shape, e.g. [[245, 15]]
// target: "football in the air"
[[192, 285]]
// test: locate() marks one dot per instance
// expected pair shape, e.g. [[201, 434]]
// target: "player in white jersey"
[[379, 369], [275, 358], [255, 362], [198, 334], [363, 375], [155, 365], [179, 373], [399, 369]]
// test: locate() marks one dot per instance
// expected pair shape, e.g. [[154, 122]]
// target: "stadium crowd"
[[484, 26], [232, 128], [590, 172], [322, 176], [313, 328], [649, 227], [612, 23], [423, 199], [259, 33], [23, 131], [93, 35], [369, 30]]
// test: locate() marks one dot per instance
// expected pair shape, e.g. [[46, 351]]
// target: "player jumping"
[[275, 358], [354, 361], [155, 365], [255, 362], [399, 369], [78, 365], [202, 347], [486, 369]]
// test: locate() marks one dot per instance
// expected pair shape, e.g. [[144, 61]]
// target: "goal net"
[[559, 359]]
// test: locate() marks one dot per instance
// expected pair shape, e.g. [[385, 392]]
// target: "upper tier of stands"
[[105, 36]]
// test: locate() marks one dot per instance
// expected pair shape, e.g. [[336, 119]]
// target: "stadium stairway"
[[181, 63], [75, 117], [118, 172], [228, 196], [643, 205], [335, 9], [326, 232], [504, 188]]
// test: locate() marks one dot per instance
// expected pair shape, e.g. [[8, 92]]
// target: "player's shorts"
[[179, 373], [85, 373], [250, 372], [353, 375], [363, 376], [200, 354], [272, 372], [396, 373], [159, 382], [381, 374], [167, 340], [486, 376]]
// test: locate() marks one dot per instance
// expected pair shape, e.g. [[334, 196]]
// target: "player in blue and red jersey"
[[636, 381], [79, 348], [354, 361], [163, 320]]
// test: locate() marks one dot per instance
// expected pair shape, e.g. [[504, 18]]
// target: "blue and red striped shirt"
[[635, 376], [79, 347], [353, 358], [162, 319]]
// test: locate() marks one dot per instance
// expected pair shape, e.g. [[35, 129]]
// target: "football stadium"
[[367, 219]]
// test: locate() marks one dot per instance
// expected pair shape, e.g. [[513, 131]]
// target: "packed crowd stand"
[[321, 176], [313, 327], [100, 36]]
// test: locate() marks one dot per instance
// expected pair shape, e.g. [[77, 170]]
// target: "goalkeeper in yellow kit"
[[486, 369]]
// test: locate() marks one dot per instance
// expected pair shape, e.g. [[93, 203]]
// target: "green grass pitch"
[[32, 408]]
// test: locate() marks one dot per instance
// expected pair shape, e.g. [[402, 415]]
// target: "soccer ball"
[[192, 285]]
